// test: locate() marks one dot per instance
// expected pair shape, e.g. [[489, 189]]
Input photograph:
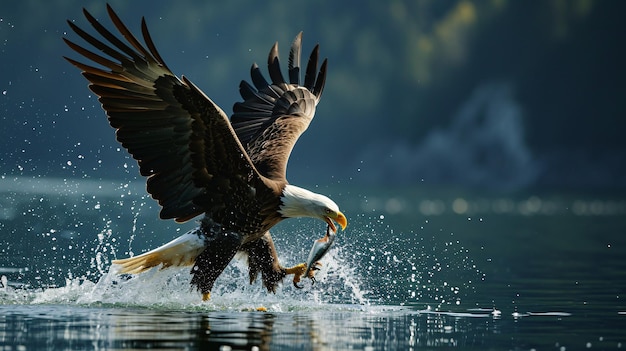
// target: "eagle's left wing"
[[273, 115]]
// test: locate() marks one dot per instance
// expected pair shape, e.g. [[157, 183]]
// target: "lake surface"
[[417, 268]]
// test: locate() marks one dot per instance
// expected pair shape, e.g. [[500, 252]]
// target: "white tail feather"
[[181, 251]]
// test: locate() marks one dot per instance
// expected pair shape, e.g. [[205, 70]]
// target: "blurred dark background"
[[498, 95]]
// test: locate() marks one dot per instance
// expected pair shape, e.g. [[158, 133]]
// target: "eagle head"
[[299, 202]]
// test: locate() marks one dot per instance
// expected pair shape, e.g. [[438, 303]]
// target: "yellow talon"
[[261, 309], [297, 271], [206, 296]]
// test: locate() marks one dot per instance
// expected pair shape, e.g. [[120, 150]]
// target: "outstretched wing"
[[182, 141], [273, 115]]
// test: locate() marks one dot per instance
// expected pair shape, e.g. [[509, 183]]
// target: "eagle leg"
[[299, 270], [220, 250], [262, 258]]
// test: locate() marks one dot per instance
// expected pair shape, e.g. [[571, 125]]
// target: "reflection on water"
[[71, 327], [62, 327]]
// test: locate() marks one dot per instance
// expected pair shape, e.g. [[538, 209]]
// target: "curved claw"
[[297, 271]]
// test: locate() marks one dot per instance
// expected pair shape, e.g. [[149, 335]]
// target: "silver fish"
[[318, 250]]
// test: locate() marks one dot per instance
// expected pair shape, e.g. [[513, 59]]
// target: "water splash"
[[362, 272], [424, 267], [170, 289], [370, 264], [338, 282]]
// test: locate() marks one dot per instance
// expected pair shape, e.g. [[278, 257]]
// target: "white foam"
[[337, 284]]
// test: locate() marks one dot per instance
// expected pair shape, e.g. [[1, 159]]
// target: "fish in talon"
[[318, 250]]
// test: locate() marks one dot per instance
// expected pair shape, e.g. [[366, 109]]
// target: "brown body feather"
[[196, 161]]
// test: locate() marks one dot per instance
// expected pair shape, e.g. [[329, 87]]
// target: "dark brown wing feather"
[[273, 115], [181, 140]]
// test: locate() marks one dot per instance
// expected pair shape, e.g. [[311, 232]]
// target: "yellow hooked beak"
[[337, 217]]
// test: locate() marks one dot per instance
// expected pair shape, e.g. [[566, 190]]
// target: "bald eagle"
[[197, 161]]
